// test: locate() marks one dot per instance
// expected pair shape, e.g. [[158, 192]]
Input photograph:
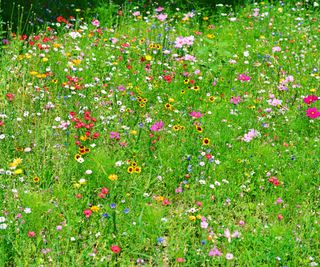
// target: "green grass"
[[185, 194]]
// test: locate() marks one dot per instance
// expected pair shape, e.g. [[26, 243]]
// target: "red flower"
[[10, 97], [274, 180], [115, 249], [61, 19], [104, 190], [167, 78]]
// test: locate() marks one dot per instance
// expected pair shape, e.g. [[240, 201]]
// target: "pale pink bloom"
[[276, 49], [214, 252], [95, 22], [274, 102], [136, 13], [228, 235], [162, 17], [159, 9]]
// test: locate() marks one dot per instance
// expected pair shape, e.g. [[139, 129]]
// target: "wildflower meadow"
[[152, 135]]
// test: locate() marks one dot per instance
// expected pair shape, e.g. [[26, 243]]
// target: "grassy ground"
[[163, 138]]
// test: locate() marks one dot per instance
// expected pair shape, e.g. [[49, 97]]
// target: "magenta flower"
[[243, 78], [235, 100], [157, 126], [195, 114], [114, 135], [310, 99], [312, 113]]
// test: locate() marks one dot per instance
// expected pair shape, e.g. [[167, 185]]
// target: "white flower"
[[229, 256], [202, 181], [3, 226], [82, 181], [88, 172], [2, 136], [27, 210], [118, 163], [2, 219], [74, 35], [246, 53]]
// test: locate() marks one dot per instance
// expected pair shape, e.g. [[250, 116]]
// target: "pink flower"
[[162, 17], [276, 49], [104, 190], [114, 135], [204, 224], [310, 99], [136, 13], [243, 78], [159, 9], [31, 234], [312, 113], [280, 217], [214, 252], [166, 202], [115, 249], [157, 126], [235, 100], [87, 213], [95, 22], [195, 114], [180, 260], [228, 235]]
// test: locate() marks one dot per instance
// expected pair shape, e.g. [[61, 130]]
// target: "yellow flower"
[[210, 35], [205, 18], [17, 161], [192, 218], [313, 90], [148, 57], [95, 208], [33, 73], [113, 177], [133, 132], [199, 217], [45, 59], [18, 171], [83, 138], [137, 169], [206, 141]]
